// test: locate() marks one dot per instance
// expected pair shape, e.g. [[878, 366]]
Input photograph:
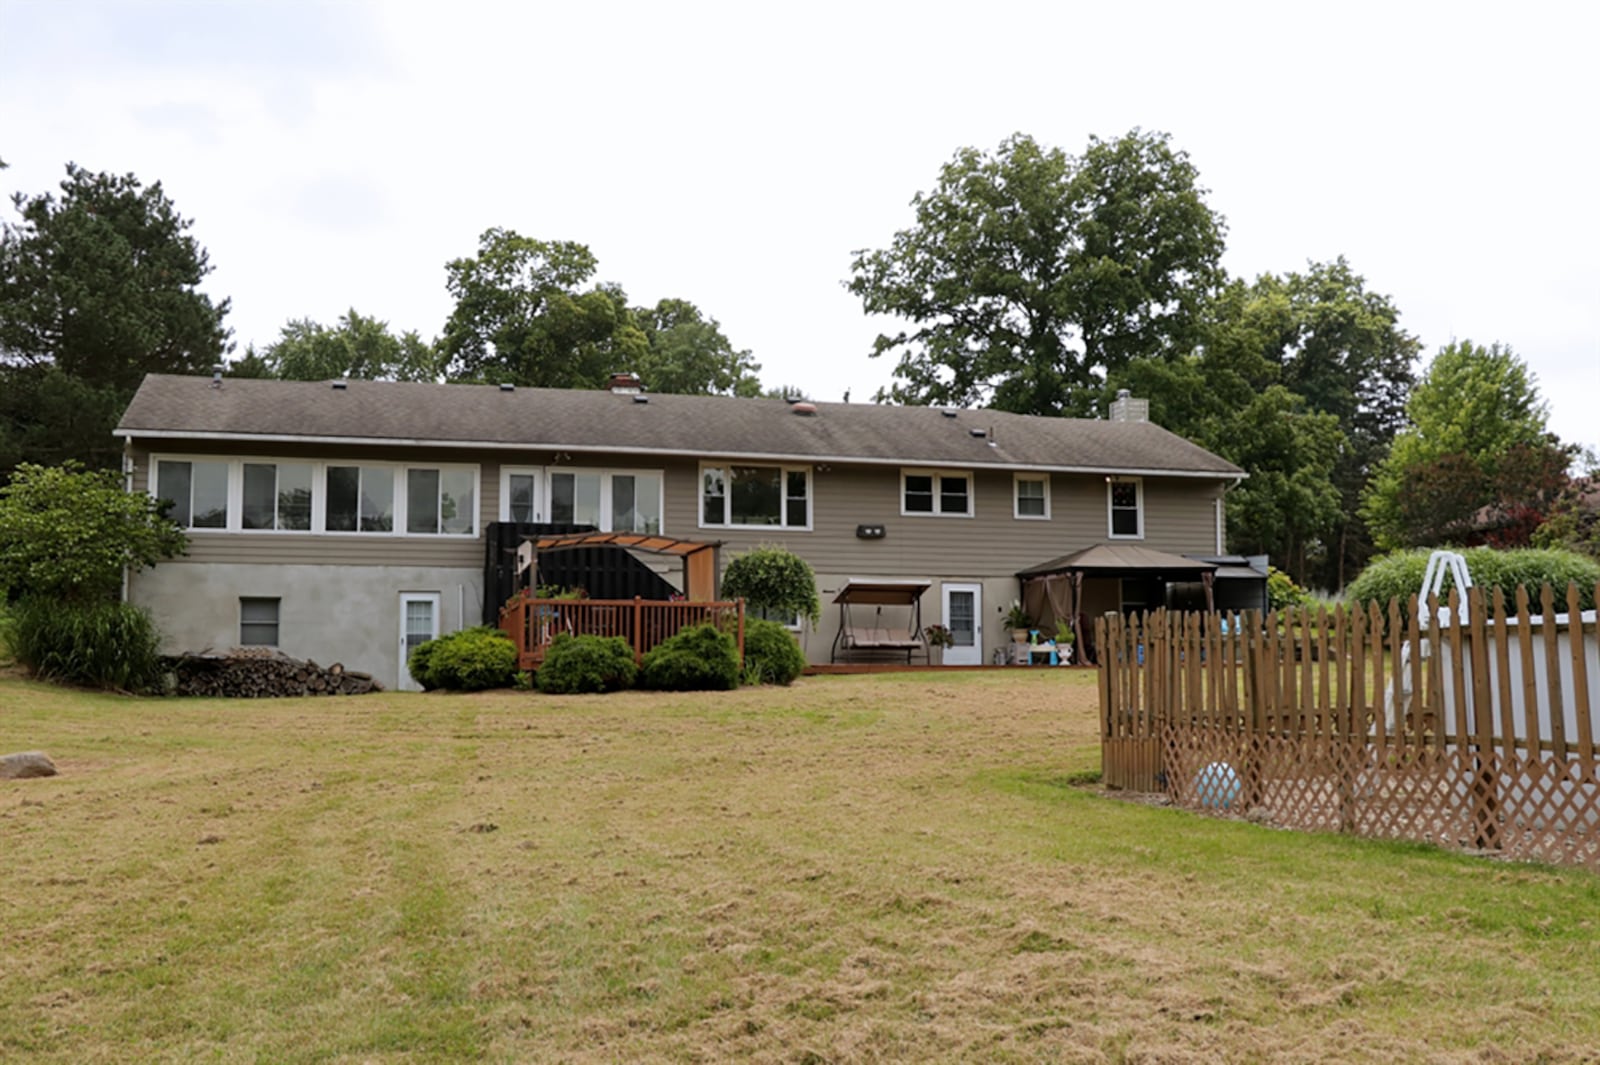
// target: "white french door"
[[963, 616], [419, 623]]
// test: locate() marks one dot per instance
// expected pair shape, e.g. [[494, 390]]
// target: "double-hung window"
[[1031, 495], [1125, 508], [610, 500], [935, 492], [198, 491], [777, 496]]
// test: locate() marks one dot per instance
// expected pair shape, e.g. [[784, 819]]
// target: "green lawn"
[[858, 868]]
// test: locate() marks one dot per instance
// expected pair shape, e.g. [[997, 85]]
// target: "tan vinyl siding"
[[1179, 517]]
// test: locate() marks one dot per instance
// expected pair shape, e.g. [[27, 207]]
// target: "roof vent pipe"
[[216, 375], [507, 386]]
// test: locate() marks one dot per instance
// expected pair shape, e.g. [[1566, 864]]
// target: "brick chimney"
[[625, 384], [1127, 409]]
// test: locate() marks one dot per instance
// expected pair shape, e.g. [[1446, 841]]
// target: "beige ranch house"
[[347, 520]]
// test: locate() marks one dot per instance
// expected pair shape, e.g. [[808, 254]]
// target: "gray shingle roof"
[[485, 417]]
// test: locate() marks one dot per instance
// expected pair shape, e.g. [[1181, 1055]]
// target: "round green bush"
[[419, 663], [469, 660], [771, 652], [771, 578], [699, 659], [577, 664], [95, 644], [1398, 575]]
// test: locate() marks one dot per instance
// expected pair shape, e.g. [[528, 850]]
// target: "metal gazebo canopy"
[[1042, 584]]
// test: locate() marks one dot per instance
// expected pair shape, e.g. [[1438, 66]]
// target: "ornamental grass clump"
[[96, 645], [583, 664]]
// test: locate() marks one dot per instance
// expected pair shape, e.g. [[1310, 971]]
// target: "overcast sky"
[[337, 155]]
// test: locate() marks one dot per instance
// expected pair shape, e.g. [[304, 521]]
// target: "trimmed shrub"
[[419, 663], [1398, 575], [578, 664], [469, 660], [1282, 591], [771, 654], [98, 645], [699, 659], [773, 579]]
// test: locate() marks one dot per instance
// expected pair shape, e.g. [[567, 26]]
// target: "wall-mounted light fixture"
[[870, 532]]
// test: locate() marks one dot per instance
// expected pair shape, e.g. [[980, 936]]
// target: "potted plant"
[[1064, 640], [1019, 621], [939, 636]]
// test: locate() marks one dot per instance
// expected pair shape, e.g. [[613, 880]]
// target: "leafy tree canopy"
[[66, 533], [688, 353], [1476, 437], [1337, 353], [357, 346], [102, 285], [528, 313], [1029, 274]]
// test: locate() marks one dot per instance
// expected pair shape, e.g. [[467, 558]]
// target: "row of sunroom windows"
[[442, 500]]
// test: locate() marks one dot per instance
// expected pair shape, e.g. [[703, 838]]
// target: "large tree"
[[98, 287], [1477, 439], [358, 346], [1029, 274], [689, 354], [528, 312]]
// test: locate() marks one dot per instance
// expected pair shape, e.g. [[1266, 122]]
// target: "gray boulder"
[[26, 764]]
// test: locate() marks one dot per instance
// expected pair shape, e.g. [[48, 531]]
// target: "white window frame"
[[316, 495], [319, 493], [235, 491], [938, 493], [605, 473], [540, 488], [1138, 487], [1016, 496], [726, 469]]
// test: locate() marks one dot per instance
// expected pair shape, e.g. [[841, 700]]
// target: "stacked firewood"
[[260, 673]]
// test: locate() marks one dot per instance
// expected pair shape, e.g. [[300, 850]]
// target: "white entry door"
[[419, 623], [963, 616]]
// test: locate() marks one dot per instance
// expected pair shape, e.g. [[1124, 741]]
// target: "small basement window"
[[258, 622]]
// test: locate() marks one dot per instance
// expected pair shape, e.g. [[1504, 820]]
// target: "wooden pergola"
[[699, 556]]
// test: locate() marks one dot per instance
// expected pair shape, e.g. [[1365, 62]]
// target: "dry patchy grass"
[[858, 868]]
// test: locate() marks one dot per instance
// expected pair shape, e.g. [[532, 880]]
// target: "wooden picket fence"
[[1472, 727]]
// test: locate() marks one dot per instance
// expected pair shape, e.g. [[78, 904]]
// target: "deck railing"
[[534, 623]]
